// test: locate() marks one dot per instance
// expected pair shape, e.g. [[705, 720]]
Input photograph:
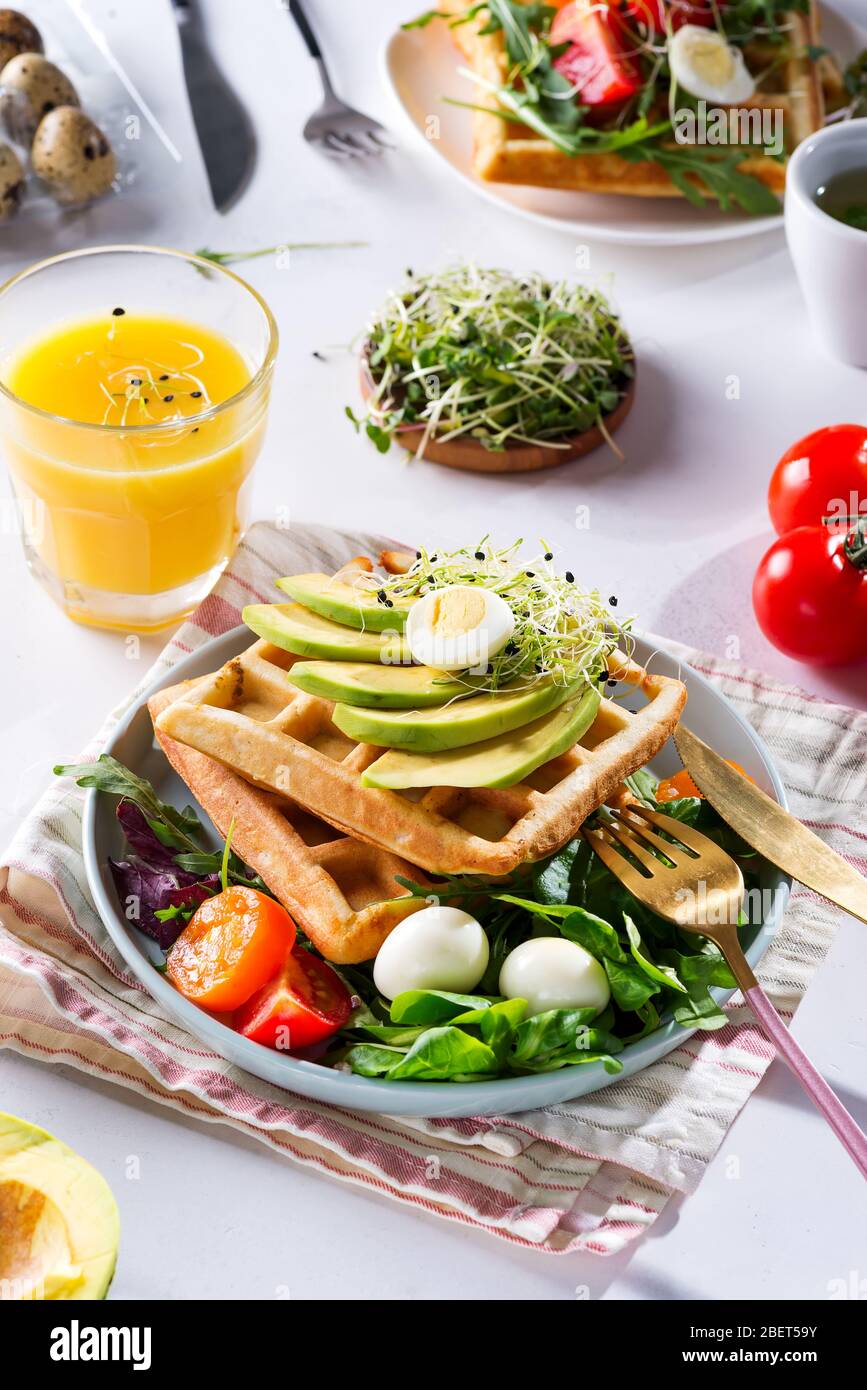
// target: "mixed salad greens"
[[627, 106], [498, 357], [655, 972]]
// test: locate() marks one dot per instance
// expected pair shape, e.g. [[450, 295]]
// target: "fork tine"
[[630, 842], [338, 145], [693, 839], [614, 860], [672, 852]]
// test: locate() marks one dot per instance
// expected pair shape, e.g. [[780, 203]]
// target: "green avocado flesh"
[[380, 687], [297, 629], [497, 762], [344, 603], [477, 718], [59, 1224]]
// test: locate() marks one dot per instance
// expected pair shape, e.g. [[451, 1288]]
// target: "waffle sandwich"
[[791, 78], [248, 718]]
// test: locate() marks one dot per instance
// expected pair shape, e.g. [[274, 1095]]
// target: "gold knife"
[[770, 829]]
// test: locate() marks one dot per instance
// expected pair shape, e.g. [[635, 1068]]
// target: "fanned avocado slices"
[[455, 725], [358, 608], [496, 762], [380, 687], [297, 629]]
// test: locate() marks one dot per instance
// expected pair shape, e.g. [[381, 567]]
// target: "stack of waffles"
[[256, 751]]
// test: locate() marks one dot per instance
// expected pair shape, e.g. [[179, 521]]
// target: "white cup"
[[830, 257]]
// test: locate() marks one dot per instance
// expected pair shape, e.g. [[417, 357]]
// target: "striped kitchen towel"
[[592, 1174]]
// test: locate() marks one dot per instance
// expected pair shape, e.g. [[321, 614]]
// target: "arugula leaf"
[[174, 828], [717, 171]]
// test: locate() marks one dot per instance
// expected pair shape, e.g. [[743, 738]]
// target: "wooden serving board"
[[472, 457]]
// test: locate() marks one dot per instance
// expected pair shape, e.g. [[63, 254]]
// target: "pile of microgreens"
[[562, 631], [534, 93], [496, 356]]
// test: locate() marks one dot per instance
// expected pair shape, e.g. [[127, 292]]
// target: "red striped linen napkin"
[[592, 1174]]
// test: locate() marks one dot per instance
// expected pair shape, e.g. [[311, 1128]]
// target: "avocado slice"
[[380, 687], [59, 1221], [456, 725], [497, 762], [343, 603], [298, 630]]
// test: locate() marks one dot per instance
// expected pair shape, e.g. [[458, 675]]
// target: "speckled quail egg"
[[30, 87], [17, 35], [73, 156], [11, 183]]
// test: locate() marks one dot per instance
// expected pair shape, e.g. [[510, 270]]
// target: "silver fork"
[[334, 127]]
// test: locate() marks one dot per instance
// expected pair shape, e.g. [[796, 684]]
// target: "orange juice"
[[149, 498]]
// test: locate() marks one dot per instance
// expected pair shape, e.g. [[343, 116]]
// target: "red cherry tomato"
[[824, 474], [810, 596], [595, 62], [306, 1002]]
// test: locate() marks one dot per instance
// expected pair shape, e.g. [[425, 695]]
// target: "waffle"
[[248, 717], [335, 888], [504, 152]]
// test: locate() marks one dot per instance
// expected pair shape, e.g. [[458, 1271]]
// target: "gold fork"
[[700, 888]]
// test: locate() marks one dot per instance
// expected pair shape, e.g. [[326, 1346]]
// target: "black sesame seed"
[[433, 559], [195, 429], [570, 578], [610, 682], [530, 574], [479, 555], [318, 356], [418, 554], [165, 375], [118, 312], [549, 555], [389, 603], [613, 601], [135, 381], [195, 395], [168, 398]]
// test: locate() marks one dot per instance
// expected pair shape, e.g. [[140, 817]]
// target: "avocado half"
[[59, 1223]]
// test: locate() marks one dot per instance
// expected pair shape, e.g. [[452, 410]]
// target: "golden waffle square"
[[251, 719], [505, 152], [335, 888]]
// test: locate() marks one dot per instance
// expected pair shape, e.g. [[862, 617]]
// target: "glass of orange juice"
[[134, 389]]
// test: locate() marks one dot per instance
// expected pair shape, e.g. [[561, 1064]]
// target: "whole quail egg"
[[11, 183], [17, 35], [73, 156], [30, 87]]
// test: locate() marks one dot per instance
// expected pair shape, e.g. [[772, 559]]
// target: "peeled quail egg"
[[553, 973], [703, 63], [17, 35], [436, 948], [11, 183], [30, 87], [72, 155], [458, 628]]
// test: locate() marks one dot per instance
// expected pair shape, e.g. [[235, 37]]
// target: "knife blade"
[[768, 828], [223, 126]]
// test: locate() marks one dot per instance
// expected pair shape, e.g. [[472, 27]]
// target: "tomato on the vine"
[[810, 594], [824, 474]]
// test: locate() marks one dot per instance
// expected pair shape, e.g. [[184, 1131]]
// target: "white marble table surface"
[[676, 531]]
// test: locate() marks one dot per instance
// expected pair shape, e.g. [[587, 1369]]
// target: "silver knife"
[[223, 126], [770, 829]]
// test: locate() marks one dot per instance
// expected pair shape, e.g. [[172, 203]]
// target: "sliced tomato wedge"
[[652, 14], [231, 945], [304, 1003], [595, 62]]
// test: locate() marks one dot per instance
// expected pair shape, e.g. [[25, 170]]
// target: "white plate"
[[710, 715], [421, 68]]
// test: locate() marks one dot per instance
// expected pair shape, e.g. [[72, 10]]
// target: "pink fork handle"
[[851, 1137]]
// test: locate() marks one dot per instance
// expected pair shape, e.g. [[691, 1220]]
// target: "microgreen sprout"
[[563, 632], [496, 356]]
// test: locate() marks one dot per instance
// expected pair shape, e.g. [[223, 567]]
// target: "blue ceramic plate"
[[710, 716]]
